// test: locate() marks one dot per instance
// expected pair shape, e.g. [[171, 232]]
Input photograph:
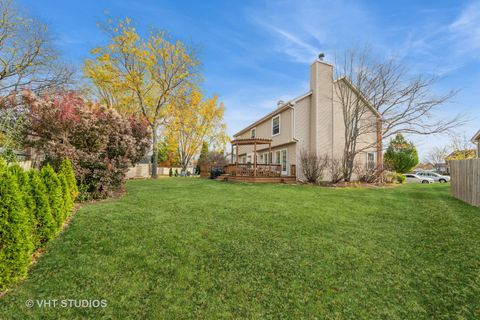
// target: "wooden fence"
[[465, 183]]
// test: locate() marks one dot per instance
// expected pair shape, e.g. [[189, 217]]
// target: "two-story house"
[[314, 121]]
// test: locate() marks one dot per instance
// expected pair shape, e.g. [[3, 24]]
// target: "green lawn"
[[185, 248]]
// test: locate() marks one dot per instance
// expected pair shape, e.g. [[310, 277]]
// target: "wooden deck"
[[258, 179], [257, 173]]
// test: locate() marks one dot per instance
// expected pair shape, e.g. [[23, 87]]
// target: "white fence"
[[143, 170], [465, 183]]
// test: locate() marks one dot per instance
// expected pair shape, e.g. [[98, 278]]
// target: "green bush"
[[54, 192], [45, 225], [66, 196], [401, 155], [389, 176], [23, 182], [83, 194], [8, 155], [33, 207], [170, 172], [176, 172], [15, 244], [400, 178], [67, 170]]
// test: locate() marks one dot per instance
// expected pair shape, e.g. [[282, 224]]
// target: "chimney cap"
[[280, 103], [321, 55]]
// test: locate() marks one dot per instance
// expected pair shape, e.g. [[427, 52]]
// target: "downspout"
[[292, 106], [379, 146], [333, 117]]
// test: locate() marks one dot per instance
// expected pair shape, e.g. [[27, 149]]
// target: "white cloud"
[[294, 46], [301, 30], [465, 30]]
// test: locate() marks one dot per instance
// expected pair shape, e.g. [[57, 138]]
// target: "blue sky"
[[255, 53]]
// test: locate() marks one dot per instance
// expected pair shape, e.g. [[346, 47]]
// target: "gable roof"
[[290, 103], [362, 97], [476, 137], [285, 106]]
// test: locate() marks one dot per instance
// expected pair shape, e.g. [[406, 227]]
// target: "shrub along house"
[[269, 149]]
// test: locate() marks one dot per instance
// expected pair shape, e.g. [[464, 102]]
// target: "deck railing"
[[250, 170]]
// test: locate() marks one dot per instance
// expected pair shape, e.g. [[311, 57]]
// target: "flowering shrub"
[[101, 143]]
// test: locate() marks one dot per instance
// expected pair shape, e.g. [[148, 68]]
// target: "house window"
[[277, 157], [370, 160], [253, 132], [249, 159], [276, 125], [281, 159], [244, 159], [265, 158]]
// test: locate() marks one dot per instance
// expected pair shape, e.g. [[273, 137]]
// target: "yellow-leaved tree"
[[193, 120], [138, 75]]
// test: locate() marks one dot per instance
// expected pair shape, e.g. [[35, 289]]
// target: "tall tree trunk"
[[154, 174], [184, 163]]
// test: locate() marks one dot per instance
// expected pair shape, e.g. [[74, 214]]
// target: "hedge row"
[[33, 207]]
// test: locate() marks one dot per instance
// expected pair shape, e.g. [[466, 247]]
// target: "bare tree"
[[335, 169], [406, 104], [370, 175], [214, 158], [461, 143], [313, 166], [27, 61], [437, 156], [27, 57], [357, 114]]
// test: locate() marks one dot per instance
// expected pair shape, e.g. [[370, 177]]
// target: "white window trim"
[[251, 130], [279, 125]]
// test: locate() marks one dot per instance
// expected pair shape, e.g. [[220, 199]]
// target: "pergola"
[[249, 142]]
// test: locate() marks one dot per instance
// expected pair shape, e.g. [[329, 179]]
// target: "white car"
[[413, 178], [433, 175]]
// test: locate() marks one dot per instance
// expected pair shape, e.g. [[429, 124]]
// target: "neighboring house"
[[461, 154], [476, 140], [442, 168], [23, 157], [424, 167], [313, 122]]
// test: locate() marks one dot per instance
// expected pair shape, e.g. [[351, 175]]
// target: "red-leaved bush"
[[101, 143]]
